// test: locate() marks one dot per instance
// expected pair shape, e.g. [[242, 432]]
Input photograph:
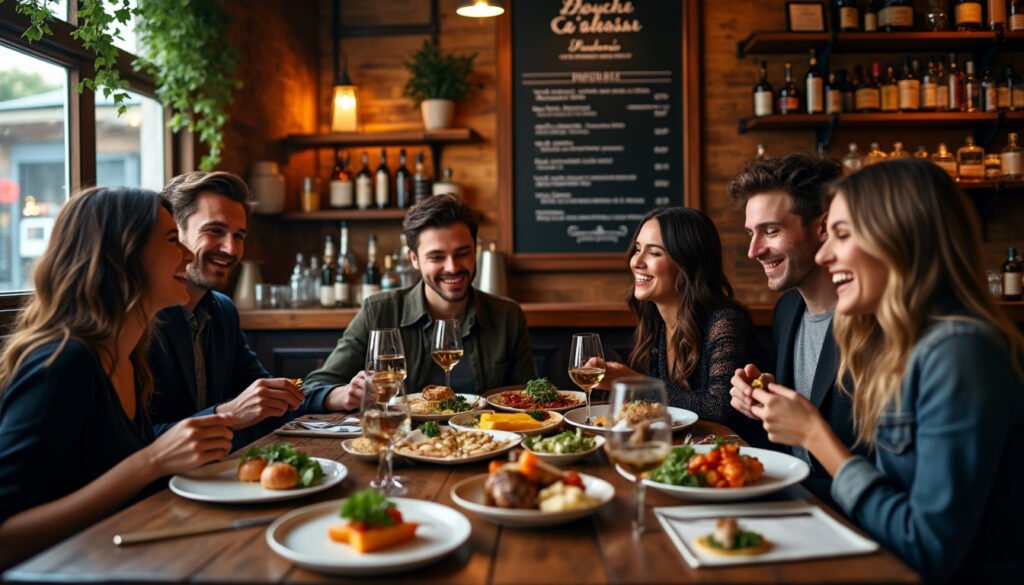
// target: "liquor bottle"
[[868, 97], [345, 273], [929, 88], [972, 90], [945, 160], [1016, 19], [967, 14], [789, 96], [996, 10], [910, 89], [382, 182], [364, 185], [852, 160], [327, 276], [875, 155], [1004, 89], [297, 283], [1010, 158], [847, 89], [1012, 270], [871, 16], [935, 17], [941, 86], [921, 152], [371, 277], [896, 16], [446, 184], [407, 274], [897, 151], [420, 182], [403, 183], [955, 82], [848, 15], [311, 276], [833, 96], [764, 94], [1016, 90], [389, 278], [342, 187], [890, 92], [970, 161], [989, 92]]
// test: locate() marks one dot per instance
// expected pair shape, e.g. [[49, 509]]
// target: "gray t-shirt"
[[810, 337]]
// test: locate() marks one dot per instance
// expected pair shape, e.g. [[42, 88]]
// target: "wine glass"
[[640, 432], [385, 407], [586, 363], [446, 351]]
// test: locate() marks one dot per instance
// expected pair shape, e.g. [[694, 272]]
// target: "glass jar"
[[309, 197], [993, 167], [267, 185]]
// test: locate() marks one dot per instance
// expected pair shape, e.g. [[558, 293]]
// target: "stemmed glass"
[[640, 432], [385, 408], [586, 363], [446, 351]]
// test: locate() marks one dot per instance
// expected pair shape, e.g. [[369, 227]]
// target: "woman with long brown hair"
[[690, 332], [75, 441], [938, 370]]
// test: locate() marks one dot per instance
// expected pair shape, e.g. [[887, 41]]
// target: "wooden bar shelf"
[[879, 120], [444, 136], [344, 214], [775, 43]]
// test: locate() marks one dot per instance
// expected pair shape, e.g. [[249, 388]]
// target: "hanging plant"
[[186, 52]]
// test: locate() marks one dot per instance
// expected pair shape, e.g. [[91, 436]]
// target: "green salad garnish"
[[744, 539], [561, 444], [457, 404], [430, 429], [368, 507], [542, 390], [538, 415], [309, 470], [675, 470]]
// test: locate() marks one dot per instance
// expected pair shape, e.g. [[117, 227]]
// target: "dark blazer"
[[833, 403], [230, 367]]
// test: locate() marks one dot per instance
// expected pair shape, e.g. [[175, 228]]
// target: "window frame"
[[64, 50]]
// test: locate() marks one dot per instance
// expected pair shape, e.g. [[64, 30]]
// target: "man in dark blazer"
[[784, 201]]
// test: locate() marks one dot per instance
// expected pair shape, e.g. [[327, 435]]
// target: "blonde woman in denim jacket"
[[938, 371]]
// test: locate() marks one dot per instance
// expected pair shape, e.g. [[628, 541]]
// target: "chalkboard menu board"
[[597, 120]]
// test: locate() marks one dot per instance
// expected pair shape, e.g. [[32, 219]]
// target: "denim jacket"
[[943, 492]]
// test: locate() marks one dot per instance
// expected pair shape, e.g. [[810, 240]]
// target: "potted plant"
[[436, 82]]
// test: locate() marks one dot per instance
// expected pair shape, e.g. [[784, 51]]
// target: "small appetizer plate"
[[681, 418], [469, 494], [468, 421], [301, 537], [475, 402], [346, 445], [496, 399], [506, 440], [219, 483], [567, 458]]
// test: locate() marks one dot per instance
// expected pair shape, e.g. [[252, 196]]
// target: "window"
[[43, 160]]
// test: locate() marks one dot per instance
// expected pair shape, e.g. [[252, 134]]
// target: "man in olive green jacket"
[[441, 232]]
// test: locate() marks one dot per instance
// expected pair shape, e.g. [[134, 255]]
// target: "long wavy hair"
[[692, 242], [909, 214], [90, 281]]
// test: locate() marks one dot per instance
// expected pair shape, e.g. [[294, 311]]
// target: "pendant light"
[[344, 103], [479, 8]]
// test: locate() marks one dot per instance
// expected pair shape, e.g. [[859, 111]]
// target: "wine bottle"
[[364, 185], [996, 10], [910, 89], [1016, 19], [955, 82], [989, 92], [967, 15], [371, 277], [327, 277], [896, 16], [1010, 159], [345, 273], [420, 182], [1012, 270], [972, 90], [764, 94], [789, 96], [342, 187], [814, 86], [382, 182], [848, 15], [403, 183], [929, 88]]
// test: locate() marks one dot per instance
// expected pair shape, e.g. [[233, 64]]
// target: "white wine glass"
[[446, 350], [586, 363], [385, 407], [640, 433]]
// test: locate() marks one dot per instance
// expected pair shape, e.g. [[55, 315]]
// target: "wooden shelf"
[[345, 214], [991, 185], [784, 122], [879, 120], [445, 136], [775, 43]]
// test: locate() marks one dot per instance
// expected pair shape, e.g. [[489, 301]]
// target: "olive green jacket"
[[493, 332]]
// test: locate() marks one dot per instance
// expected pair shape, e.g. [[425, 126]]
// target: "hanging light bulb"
[[479, 8], [345, 104]]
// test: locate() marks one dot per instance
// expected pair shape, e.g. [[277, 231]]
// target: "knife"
[[151, 535]]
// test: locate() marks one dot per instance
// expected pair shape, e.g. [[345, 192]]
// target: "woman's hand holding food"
[[189, 444], [613, 371], [743, 383], [264, 398], [788, 417], [349, 396]]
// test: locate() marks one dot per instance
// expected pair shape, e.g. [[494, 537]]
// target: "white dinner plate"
[[494, 400], [219, 483], [507, 439], [681, 418], [475, 402], [463, 422], [567, 458], [301, 537], [780, 471], [346, 446], [469, 494]]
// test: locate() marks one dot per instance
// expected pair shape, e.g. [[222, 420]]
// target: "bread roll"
[[250, 470], [279, 476]]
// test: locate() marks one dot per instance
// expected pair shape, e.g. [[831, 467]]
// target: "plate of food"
[[431, 443], [564, 448], [539, 394], [363, 448], [534, 422], [367, 534], [531, 493], [440, 403], [599, 415], [267, 474], [720, 473]]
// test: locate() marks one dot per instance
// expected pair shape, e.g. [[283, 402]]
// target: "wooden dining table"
[[599, 548]]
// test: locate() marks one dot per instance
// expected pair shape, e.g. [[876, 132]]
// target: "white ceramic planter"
[[437, 114]]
